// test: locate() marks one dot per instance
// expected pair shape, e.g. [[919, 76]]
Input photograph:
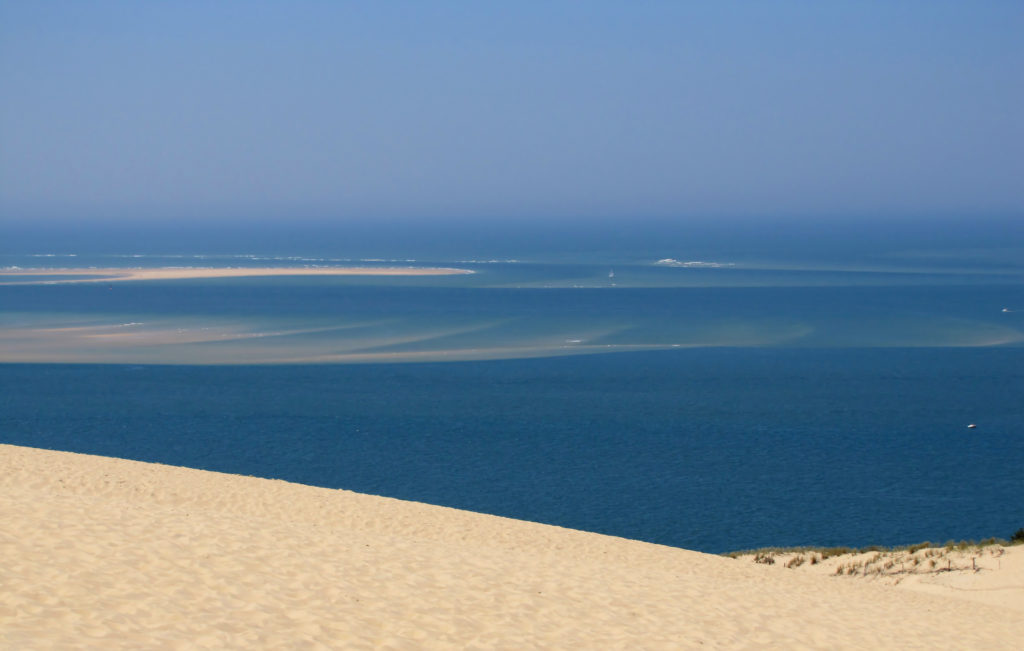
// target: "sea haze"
[[681, 387]]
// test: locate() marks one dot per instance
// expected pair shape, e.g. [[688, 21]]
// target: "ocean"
[[702, 401]]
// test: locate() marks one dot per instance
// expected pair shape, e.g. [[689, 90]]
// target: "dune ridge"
[[102, 552], [991, 573]]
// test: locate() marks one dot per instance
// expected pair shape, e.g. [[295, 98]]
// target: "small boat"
[[611, 273], [972, 426]]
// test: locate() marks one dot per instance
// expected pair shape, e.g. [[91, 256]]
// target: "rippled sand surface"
[[107, 553]]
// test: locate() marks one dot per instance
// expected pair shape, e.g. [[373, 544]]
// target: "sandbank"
[[108, 553], [84, 275]]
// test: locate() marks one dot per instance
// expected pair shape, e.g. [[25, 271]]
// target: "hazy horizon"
[[259, 115], [886, 242]]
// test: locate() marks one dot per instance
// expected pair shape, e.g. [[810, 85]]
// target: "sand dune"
[[101, 552], [989, 574]]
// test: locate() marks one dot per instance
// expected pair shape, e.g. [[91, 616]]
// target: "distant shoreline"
[[184, 273]]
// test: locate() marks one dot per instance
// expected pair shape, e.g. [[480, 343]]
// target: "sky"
[[359, 113]]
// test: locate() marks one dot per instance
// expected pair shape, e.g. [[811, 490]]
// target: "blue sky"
[[356, 112]]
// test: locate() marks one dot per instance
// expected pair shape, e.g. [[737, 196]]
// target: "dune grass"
[[763, 554]]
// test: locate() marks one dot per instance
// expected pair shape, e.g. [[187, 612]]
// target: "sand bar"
[[107, 553], [83, 275]]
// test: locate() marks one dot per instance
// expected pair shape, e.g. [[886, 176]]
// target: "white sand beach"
[[108, 553], [87, 275]]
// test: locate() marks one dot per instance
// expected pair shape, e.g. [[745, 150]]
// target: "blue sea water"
[[735, 404], [710, 449]]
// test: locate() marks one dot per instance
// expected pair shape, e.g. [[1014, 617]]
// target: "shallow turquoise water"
[[503, 310]]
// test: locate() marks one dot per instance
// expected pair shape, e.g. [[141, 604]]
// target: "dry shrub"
[[835, 551]]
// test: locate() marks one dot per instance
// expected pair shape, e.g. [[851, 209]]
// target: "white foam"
[[693, 264]]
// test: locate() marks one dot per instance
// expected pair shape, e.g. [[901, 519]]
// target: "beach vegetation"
[[829, 552], [815, 555], [765, 558]]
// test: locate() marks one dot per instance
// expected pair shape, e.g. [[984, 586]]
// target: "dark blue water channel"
[[710, 449]]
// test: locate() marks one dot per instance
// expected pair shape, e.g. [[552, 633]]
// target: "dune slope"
[[101, 552]]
